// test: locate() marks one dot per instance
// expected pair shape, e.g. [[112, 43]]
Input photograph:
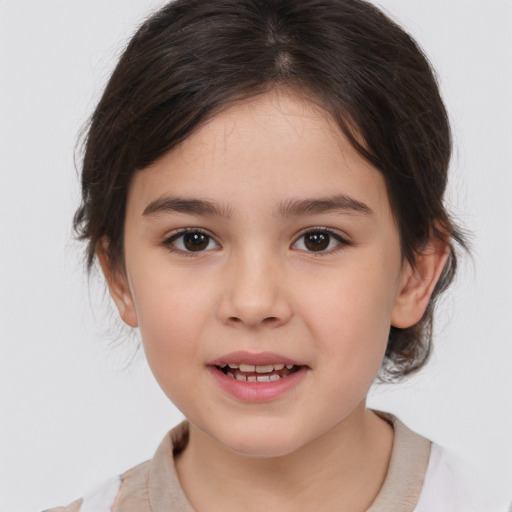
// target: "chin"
[[262, 442], [261, 449]]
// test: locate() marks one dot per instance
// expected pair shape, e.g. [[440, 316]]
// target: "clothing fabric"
[[421, 477]]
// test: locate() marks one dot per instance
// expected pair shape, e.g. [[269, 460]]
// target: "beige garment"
[[72, 507], [406, 471], [153, 486]]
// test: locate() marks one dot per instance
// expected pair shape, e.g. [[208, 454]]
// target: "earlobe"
[[118, 285], [418, 283]]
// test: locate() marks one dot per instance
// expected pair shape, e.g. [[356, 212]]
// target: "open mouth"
[[258, 373]]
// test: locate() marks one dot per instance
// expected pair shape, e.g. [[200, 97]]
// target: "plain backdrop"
[[77, 402]]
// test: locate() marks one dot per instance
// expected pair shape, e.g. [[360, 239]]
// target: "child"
[[263, 188]]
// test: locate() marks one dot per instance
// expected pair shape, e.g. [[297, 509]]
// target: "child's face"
[[292, 257]]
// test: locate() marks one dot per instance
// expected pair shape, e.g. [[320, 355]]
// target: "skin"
[[257, 286]]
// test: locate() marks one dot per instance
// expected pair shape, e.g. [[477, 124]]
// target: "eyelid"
[[342, 239], [174, 235]]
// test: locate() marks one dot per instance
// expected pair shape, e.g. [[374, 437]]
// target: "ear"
[[418, 282], [118, 285]]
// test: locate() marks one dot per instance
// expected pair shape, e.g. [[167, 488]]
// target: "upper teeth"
[[259, 368]]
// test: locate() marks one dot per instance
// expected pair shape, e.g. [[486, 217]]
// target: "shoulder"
[[72, 507], [129, 491], [450, 485], [100, 500], [424, 477]]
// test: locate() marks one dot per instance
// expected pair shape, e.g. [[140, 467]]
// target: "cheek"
[[354, 343], [165, 296], [171, 332], [172, 313], [351, 319]]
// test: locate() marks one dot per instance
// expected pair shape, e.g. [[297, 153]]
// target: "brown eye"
[[316, 241], [320, 240], [192, 241], [195, 241]]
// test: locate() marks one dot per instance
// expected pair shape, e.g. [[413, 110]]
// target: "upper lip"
[[255, 358]]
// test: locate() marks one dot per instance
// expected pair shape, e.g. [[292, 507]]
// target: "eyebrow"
[[291, 208], [185, 205], [338, 203]]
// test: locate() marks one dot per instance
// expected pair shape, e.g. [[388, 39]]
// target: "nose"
[[254, 293]]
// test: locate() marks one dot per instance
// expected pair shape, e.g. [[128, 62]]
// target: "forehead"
[[275, 146]]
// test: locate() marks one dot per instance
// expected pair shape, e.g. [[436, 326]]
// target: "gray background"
[[73, 410]]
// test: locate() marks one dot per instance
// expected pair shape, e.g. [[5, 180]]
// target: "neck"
[[343, 469]]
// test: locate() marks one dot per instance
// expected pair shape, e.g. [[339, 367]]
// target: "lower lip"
[[256, 391]]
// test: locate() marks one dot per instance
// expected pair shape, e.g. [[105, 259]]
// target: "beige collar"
[[406, 471], [154, 485]]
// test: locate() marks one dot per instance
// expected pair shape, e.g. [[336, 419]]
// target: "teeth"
[[243, 368], [264, 368], [254, 378]]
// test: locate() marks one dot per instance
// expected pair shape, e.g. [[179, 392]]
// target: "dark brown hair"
[[194, 58]]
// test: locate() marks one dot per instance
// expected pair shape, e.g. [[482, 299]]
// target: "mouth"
[[257, 377], [257, 373]]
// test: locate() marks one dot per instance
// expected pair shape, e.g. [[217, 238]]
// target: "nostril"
[[266, 321]]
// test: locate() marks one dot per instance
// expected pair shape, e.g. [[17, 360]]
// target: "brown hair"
[[193, 58]]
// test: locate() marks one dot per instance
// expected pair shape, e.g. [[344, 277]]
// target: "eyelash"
[[169, 242], [342, 242]]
